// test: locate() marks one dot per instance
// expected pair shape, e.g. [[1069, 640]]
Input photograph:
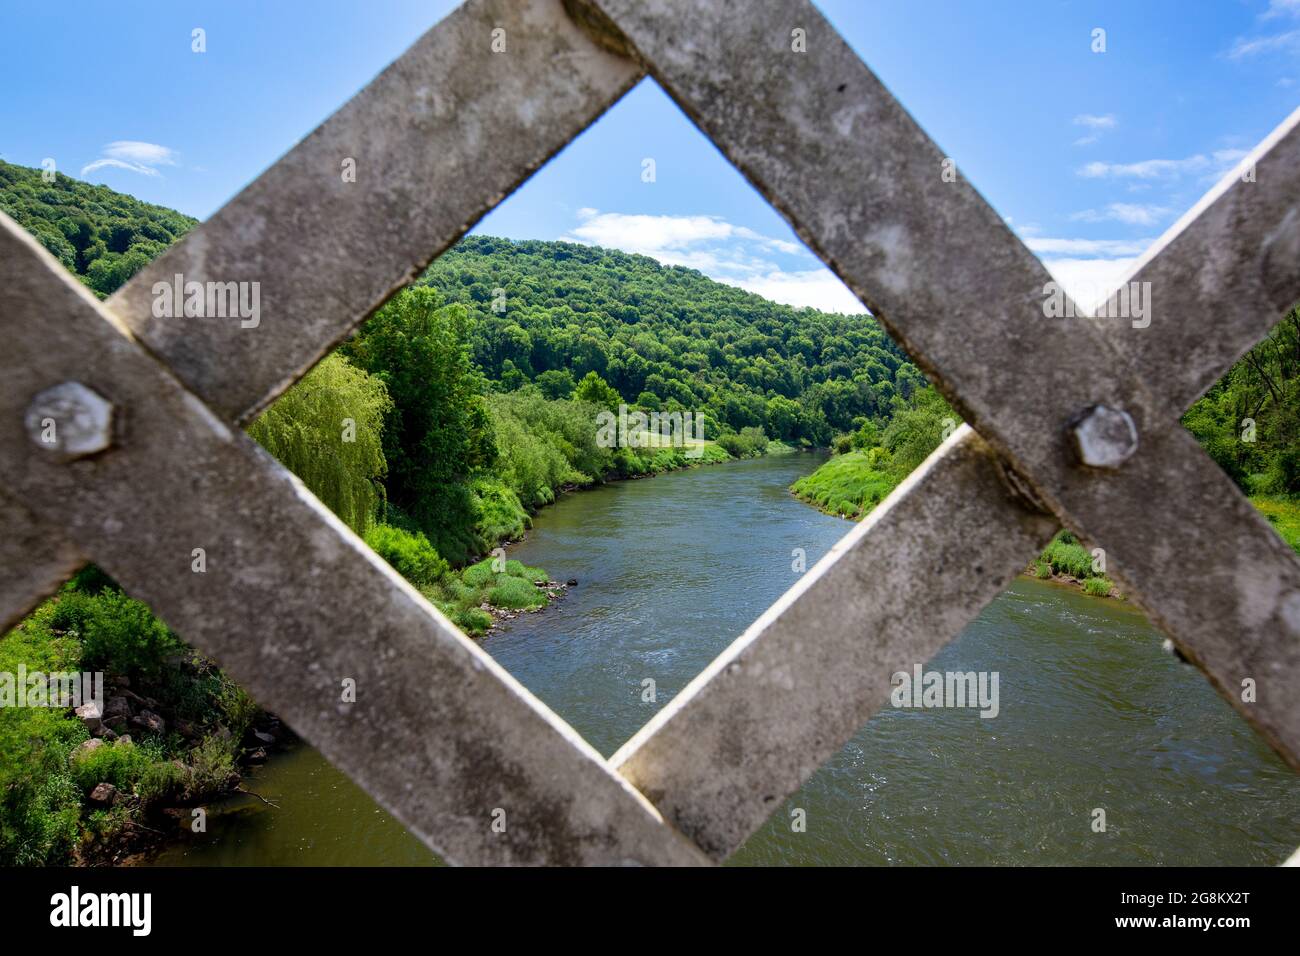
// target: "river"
[[1093, 714]]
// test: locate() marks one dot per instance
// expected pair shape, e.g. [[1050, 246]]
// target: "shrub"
[[120, 763], [1069, 558], [237, 706], [212, 766], [1098, 587], [515, 593], [91, 579], [70, 613], [40, 802], [121, 635], [747, 443], [499, 514], [411, 555], [161, 781], [1042, 569], [477, 575], [472, 620]]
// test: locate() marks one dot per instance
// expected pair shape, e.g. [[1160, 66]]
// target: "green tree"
[[328, 430], [438, 431], [556, 383], [596, 391]]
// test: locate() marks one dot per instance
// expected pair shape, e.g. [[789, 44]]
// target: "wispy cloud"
[[1287, 41], [134, 156], [1043, 245], [1087, 269], [1133, 214], [1097, 124], [1215, 164], [723, 251], [1255, 46]]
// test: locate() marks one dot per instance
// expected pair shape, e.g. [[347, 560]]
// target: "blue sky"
[[1090, 156]]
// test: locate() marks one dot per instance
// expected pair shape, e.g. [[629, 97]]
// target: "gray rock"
[[148, 720], [90, 716], [87, 746], [104, 794]]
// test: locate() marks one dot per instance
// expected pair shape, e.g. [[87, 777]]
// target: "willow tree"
[[328, 430]]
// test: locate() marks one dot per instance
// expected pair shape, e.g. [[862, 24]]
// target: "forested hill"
[[105, 237], [669, 336], [662, 336]]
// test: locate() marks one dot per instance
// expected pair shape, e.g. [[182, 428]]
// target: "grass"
[[511, 586], [1284, 515], [1065, 556], [1097, 587], [846, 486]]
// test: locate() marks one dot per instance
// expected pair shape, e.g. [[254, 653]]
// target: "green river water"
[[1092, 712]]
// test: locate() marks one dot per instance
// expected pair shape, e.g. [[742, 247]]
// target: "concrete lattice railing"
[[292, 603]]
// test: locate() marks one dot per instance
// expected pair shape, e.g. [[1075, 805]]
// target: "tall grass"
[[846, 485]]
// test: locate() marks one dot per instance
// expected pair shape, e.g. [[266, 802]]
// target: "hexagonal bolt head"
[[1103, 437], [70, 420]]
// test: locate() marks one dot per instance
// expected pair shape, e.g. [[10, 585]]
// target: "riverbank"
[[850, 485], [493, 591]]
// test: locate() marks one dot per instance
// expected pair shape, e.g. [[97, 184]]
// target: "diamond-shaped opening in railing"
[[475, 396], [647, 304], [1055, 730]]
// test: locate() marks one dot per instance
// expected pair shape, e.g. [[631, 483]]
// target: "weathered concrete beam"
[[34, 561], [437, 140]]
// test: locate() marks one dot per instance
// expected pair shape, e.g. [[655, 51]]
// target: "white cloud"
[[1213, 165], [1133, 214], [819, 288], [1282, 8], [1095, 122], [1088, 269], [117, 164], [725, 252], [1243, 48], [1087, 247], [133, 155], [1089, 281]]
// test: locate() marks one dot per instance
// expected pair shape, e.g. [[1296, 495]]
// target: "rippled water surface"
[[1093, 714]]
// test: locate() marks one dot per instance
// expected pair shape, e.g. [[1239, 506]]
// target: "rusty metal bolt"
[[70, 420], [1104, 437]]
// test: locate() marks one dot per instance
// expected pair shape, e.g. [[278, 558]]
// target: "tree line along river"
[[1092, 713]]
